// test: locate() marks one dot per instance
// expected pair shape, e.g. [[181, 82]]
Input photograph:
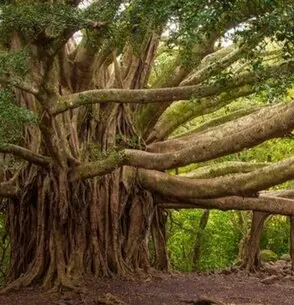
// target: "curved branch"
[[217, 122], [272, 205], [97, 168], [145, 96], [191, 109], [19, 85], [171, 119], [219, 65], [222, 169], [246, 132], [24, 154], [239, 184]]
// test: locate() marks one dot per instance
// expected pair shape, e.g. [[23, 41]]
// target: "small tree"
[[103, 86]]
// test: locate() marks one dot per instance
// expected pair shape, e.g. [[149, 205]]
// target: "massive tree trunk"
[[62, 229], [93, 187], [100, 227]]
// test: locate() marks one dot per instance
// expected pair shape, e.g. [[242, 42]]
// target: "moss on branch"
[[145, 96], [240, 184], [98, 168], [222, 169], [272, 205], [25, 154]]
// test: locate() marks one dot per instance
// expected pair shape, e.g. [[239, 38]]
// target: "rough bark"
[[239, 184], [142, 96], [199, 238], [8, 190], [84, 205], [292, 241], [25, 154], [251, 260], [226, 137], [269, 205]]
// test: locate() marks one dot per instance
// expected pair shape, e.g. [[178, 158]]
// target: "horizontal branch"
[[19, 85], [218, 121], [288, 193], [232, 185], [272, 205], [183, 111], [246, 132], [222, 169], [144, 96], [232, 137], [25, 154], [97, 168], [219, 65]]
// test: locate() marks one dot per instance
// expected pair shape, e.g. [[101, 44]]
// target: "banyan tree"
[[91, 94]]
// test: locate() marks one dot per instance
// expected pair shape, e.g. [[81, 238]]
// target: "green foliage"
[[182, 229], [46, 21], [219, 246], [31, 18], [12, 117], [268, 255], [222, 236], [4, 253], [16, 62], [275, 236]]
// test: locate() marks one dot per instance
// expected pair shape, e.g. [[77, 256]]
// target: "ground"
[[274, 285]]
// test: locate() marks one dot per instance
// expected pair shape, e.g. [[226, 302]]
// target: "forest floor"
[[274, 285]]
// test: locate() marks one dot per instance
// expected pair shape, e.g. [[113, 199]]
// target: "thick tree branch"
[[218, 121], [216, 67], [234, 136], [224, 168], [19, 85], [188, 110], [98, 168], [183, 111], [245, 132], [288, 193], [25, 154], [144, 96], [272, 205], [239, 184]]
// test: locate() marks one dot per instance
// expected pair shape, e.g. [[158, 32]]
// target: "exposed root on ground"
[[203, 301], [109, 299]]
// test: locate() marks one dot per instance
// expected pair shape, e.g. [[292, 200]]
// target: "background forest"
[[217, 244]]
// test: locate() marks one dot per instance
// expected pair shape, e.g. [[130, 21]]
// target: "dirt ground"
[[273, 286]]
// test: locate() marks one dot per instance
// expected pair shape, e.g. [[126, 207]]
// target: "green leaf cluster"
[[15, 63], [219, 246], [12, 117]]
